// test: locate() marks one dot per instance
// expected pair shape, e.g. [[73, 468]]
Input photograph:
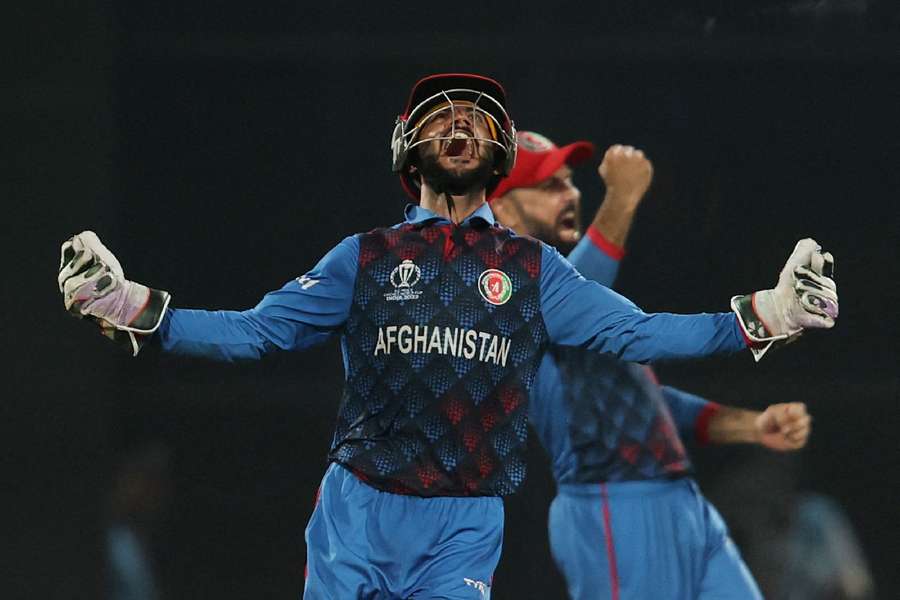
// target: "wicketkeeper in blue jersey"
[[628, 521], [443, 319]]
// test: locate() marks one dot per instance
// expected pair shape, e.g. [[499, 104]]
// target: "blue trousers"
[[645, 539], [365, 543]]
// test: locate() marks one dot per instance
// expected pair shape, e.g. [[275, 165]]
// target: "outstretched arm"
[[627, 174], [780, 427], [583, 313], [303, 312]]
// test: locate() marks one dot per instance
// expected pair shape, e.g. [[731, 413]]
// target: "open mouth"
[[458, 144], [569, 221]]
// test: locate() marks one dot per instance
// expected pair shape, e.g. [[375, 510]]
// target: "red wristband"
[[701, 425], [612, 250]]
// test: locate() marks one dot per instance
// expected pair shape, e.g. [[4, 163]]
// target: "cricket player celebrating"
[[443, 320], [628, 521]]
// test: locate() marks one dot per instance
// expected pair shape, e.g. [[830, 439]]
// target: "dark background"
[[219, 149]]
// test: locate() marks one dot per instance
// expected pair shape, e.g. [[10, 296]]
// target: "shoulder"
[[343, 255], [510, 238], [385, 232], [351, 243], [500, 230], [551, 255]]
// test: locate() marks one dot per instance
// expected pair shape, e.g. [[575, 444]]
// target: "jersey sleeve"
[[578, 312], [305, 311], [597, 258], [691, 413]]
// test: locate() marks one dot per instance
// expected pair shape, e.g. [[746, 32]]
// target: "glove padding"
[[93, 285], [805, 297]]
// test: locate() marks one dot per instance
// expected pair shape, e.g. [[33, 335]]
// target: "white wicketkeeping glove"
[[804, 298], [93, 285]]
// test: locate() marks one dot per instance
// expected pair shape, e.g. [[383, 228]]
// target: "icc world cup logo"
[[406, 275]]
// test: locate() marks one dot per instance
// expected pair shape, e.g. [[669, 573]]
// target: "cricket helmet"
[[458, 91]]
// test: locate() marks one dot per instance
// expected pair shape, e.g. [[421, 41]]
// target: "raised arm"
[[303, 312], [596, 258], [627, 174]]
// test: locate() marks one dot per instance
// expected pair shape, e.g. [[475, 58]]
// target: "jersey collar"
[[416, 215]]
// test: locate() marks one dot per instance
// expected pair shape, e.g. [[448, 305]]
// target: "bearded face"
[[454, 179], [549, 211], [454, 156]]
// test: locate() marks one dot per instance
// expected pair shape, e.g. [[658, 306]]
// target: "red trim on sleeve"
[[701, 425], [611, 250]]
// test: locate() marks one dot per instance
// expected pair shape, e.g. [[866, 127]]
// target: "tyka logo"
[[481, 586], [307, 282], [404, 278], [495, 286]]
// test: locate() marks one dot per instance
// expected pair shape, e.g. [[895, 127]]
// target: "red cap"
[[538, 158]]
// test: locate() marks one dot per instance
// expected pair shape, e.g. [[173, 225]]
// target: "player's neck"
[[459, 207]]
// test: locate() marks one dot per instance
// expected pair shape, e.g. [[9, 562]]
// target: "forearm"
[[596, 258], [627, 174], [581, 313], [731, 425], [601, 320], [614, 218], [228, 335], [305, 311], [216, 335], [663, 336]]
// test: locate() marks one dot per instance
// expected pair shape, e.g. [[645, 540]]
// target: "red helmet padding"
[[433, 84]]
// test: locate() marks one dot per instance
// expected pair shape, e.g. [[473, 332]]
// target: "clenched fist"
[[784, 427], [627, 174]]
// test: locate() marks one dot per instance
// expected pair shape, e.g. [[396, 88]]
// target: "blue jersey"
[[459, 315], [603, 419]]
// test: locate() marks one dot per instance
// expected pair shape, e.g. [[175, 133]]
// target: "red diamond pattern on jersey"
[[441, 410], [621, 427]]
